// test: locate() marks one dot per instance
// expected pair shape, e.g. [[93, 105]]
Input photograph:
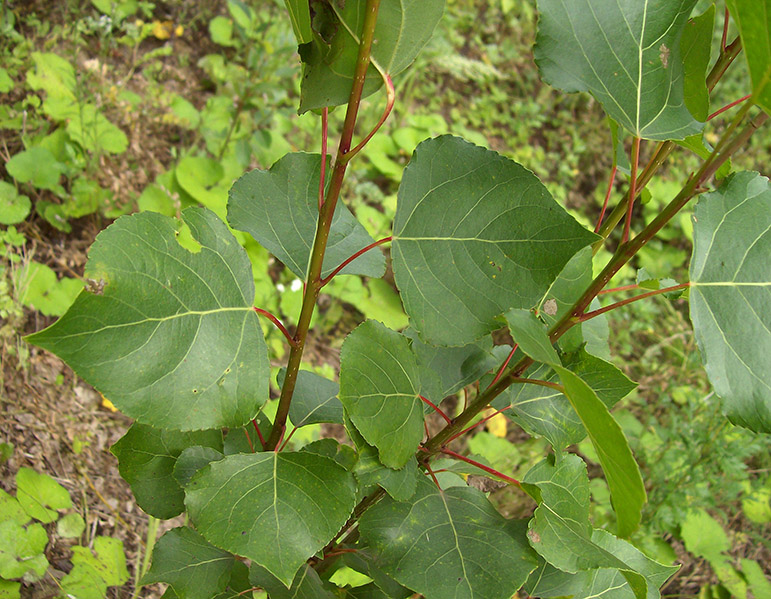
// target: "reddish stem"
[[259, 434], [347, 261], [436, 409], [622, 288], [607, 197], [390, 99], [728, 106], [324, 138], [629, 300], [425, 428], [431, 472], [724, 39], [487, 469], [476, 424], [286, 441], [249, 441], [504, 365], [277, 447], [277, 322], [632, 190]]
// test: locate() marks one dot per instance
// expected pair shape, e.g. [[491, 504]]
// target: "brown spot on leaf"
[[664, 55], [550, 307]]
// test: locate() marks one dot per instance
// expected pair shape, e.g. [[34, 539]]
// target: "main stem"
[[313, 282]]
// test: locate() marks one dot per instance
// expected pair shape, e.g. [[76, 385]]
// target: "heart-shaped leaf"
[[277, 509], [731, 295], [448, 543], [626, 54], [170, 336], [475, 234]]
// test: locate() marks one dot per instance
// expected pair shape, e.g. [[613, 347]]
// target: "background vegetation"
[[115, 106]]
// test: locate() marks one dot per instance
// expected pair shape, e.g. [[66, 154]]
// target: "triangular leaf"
[[305, 585], [280, 209], [169, 336], [475, 234], [449, 543], [185, 560], [626, 54], [146, 459], [277, 509], [730, 295], [379, 388]]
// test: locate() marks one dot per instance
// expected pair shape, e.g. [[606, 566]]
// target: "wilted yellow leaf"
[[106, 403], [497, 424], [163, 29]]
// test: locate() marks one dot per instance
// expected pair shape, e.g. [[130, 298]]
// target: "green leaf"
[[703, 535], [146, 460], [221, 31], [40, 495], [9, 589], [192, 459], [730, 295], [10, 509], [277, 509], [94, 571], [186, 561], [14, 208], [626, 54], [403, 28], [199, 176], [70, 526], [449, 543], [475, 234], [43, 291], [379, 389], [21, 550], [546, 412], [300, 15], [754, 20], [305, 585], [529, 333], [560, 297], [399, 484], [621, 471], [608, 583], [560, 530], [279, 208], [169, 336], [618, 464], [455, 367], [91, 129], [36, 166], [696, 47], [314, 400]]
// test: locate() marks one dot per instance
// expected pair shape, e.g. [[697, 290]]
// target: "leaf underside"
[[730, 296]]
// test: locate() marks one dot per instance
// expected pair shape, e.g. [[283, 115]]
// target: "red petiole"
[[607, 197], [277, 322], [436, 409], [350, 259], [487, 469], [629, 300]]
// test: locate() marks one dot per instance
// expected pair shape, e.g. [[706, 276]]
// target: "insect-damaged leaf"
[[730, 295], [475, 234], [277, 509], [626, 54], [169, 336]]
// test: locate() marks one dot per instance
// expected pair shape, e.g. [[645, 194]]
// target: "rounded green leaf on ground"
[[14, 208], [168, 335], [40, 495]]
